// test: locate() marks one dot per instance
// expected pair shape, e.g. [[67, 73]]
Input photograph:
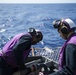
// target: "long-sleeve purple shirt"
[[17, 49]]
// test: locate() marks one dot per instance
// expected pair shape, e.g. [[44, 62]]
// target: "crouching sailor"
[[15, 52]]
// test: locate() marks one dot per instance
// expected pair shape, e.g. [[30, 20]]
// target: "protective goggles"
[[56, 23]]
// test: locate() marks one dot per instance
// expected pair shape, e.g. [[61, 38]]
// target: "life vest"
[[8, 51], [71, 40]]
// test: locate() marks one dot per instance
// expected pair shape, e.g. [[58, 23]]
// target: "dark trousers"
[[5, 69]]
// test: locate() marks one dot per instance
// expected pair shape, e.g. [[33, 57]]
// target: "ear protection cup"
[[64, 30], [38, 35], [32, 31]]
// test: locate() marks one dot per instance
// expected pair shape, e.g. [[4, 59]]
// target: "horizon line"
[[36, 3]]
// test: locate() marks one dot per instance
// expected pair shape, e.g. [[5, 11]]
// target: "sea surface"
[[17, 18]]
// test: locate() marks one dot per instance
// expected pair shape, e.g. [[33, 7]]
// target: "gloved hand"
[[33, 67]]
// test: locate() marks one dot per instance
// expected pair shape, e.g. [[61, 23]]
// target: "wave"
[[2, 30]]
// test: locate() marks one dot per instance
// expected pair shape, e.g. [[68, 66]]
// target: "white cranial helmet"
[[69, 23]]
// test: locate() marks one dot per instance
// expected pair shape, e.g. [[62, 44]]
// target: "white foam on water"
[[2, 30]]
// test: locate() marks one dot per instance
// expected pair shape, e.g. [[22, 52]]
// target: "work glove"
[[33, 67]]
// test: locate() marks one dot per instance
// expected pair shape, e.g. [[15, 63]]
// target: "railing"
[[47, 52]]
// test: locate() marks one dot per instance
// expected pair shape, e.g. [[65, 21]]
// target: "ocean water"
[[17, 18]]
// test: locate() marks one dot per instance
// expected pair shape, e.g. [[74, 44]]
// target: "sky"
[[37, 1]]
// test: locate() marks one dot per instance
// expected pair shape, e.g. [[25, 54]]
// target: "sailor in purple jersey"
[[15, 52], [67, 55]]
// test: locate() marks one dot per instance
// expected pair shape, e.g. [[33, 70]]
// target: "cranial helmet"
[[69, 25], [39, 34], [36, 33], [69, 22], [32, 31]]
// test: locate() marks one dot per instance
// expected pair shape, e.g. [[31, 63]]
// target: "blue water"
[[17, 18]]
